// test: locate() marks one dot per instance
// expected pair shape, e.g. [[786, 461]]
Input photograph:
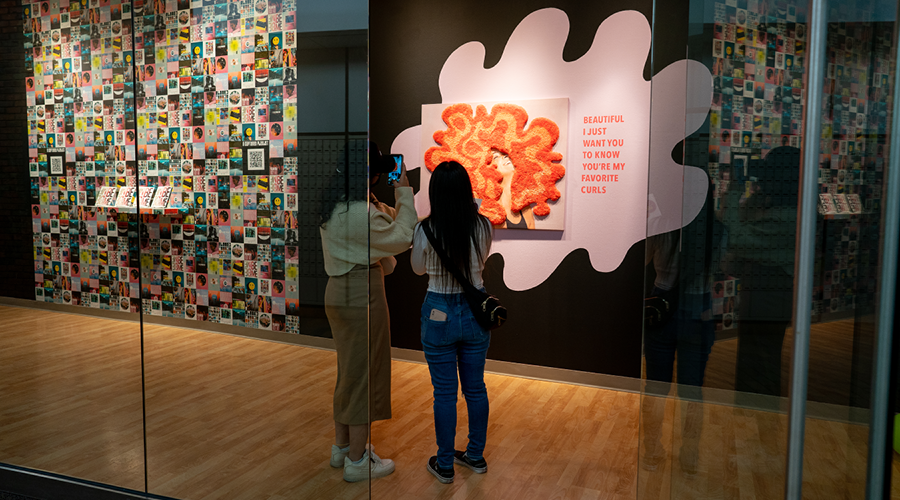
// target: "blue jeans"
[[688, 335], [454, 344]]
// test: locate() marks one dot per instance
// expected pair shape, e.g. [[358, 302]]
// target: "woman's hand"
[[402, 181]]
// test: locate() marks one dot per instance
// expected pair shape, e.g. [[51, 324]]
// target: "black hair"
[[455, 222], [778, 177], [348, 182]]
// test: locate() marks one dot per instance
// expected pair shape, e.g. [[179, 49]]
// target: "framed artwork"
[[514, 152]]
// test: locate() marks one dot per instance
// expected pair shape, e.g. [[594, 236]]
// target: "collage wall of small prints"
[[758, 62], [193, 103]]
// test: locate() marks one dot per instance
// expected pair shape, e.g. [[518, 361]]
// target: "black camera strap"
[[468, 287]]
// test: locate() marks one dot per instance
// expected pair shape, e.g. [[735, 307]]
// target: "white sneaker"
[[338, 455], [379, 467]]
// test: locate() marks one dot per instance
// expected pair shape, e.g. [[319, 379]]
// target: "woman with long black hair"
[[455, 344]]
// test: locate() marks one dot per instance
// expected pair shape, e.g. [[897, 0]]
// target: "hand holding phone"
[[397, 176]]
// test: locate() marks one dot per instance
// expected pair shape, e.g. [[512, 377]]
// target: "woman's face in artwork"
[[503, 164]]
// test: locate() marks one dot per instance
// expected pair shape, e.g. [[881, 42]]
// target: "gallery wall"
[[577, 317], [210, 111]]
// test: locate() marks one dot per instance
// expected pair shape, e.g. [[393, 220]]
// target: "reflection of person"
[[359, 238], [682, 295], [761, 225], [451, 338]]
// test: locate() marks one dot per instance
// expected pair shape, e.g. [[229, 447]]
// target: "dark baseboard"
[[12, 496], [20, 483]]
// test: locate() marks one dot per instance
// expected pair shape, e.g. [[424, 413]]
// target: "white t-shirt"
[[425, 260]]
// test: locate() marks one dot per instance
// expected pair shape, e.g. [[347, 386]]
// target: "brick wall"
[[16, 262]]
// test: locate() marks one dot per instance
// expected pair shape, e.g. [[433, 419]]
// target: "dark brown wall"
[[16, 263]]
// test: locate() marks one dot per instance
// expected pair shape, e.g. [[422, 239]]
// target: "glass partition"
[[210, 316], [72, 379], [184, 158], [276, 93], [856, 129], [721, 288], [62, 410]]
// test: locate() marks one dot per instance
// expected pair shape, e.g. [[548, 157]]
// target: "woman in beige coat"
[[360, 236]]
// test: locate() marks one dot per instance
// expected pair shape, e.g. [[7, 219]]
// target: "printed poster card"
[[107, 196], [145, 196], [855, 203], [127, 197], [843, 205], [256, 157], [56, 158], [826, 204], [175, 199]]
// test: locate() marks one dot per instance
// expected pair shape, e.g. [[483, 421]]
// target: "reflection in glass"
[[756, 52], [680, 324], [759, 211], [856, 128], [721, 297]]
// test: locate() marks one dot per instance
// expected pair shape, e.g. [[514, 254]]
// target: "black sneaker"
[[479, 466], [443, 475]]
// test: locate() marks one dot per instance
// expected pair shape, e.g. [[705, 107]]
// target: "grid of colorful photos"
[[758, 54], [758, 65], [195, 99], [854, 151]]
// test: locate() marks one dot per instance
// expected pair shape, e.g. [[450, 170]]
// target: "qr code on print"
[[56, 165], [256, 159]]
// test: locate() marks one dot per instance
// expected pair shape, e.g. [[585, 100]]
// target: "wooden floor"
[[830, 363], [235, 418]]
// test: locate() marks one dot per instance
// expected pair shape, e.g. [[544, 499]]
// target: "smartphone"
[[394, 175], [437, 315]]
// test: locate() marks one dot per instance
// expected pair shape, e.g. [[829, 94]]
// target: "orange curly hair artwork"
[[512, 169]]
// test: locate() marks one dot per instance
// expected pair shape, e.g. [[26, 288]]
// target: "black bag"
[[659, 309], [486, 308]]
